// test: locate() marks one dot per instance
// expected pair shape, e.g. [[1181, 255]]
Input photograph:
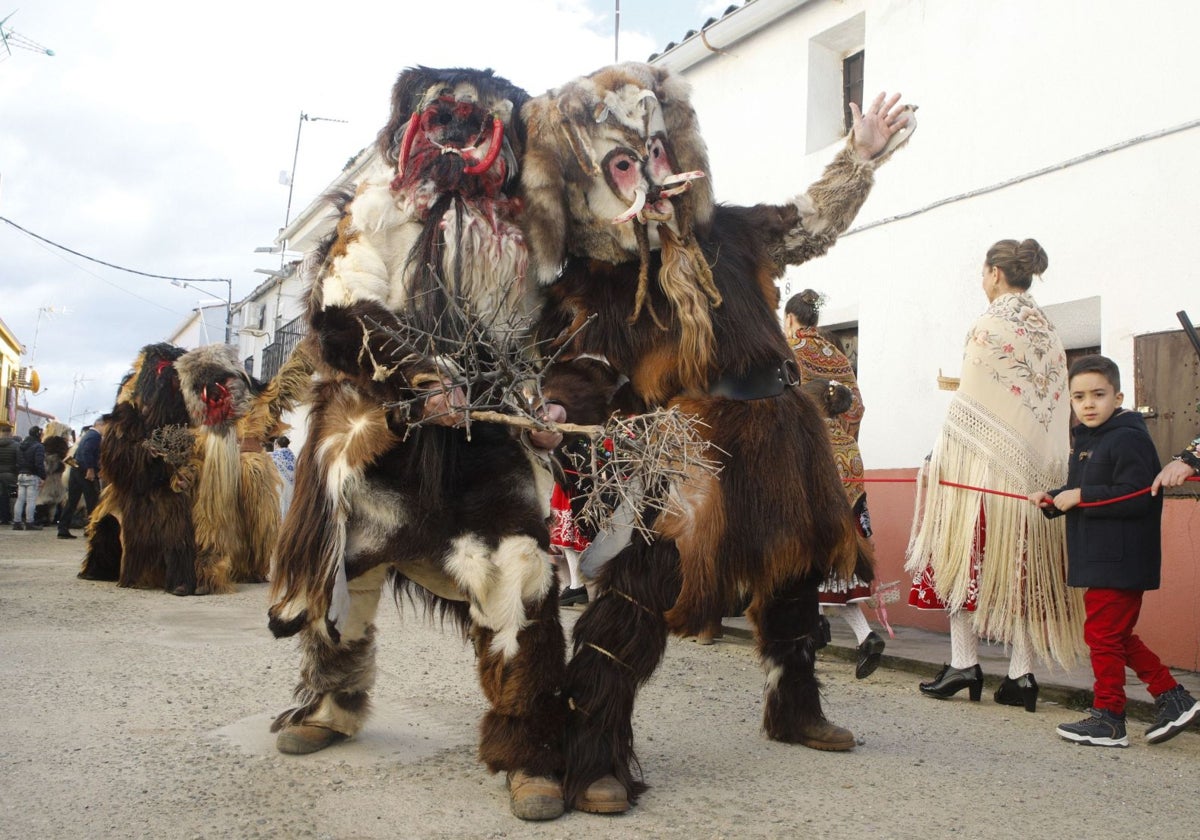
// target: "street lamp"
[[287, 215], [187, 284]]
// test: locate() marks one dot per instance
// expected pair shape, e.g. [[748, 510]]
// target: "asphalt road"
[[130, 714]]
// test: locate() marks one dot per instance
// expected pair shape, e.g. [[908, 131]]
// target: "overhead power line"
[[61, 247]]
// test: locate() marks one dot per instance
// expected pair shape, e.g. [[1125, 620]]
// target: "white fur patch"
[[500, 583], [774, 675]]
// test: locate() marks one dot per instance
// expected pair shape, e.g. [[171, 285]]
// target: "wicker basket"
[[947, 383]]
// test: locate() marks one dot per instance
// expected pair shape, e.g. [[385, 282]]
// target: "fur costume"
[[204, 403], [451, 515], [140, 533], [622, 227], [53, 491]]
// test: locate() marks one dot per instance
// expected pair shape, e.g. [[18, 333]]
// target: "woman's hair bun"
[[1032, 257]]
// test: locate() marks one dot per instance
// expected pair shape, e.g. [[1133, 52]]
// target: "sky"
[[155, 138]]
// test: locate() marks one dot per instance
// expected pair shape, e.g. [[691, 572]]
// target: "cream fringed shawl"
[[1006, 430]]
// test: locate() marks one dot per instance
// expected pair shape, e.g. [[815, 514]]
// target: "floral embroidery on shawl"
[[1033, 372]]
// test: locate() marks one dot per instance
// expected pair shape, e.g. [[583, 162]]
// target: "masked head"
[[611, 157]]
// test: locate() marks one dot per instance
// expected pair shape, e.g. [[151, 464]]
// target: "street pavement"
[[132, 714]]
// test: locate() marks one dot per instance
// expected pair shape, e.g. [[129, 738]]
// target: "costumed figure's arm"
[[815, 219], [368, 344], [1183, 466]]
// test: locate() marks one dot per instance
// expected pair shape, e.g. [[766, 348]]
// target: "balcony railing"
[[277, 352]]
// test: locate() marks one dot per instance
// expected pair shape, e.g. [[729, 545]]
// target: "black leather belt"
[[757, 383]]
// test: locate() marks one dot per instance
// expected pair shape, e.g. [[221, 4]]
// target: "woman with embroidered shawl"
[[819, 358], [993, 560]]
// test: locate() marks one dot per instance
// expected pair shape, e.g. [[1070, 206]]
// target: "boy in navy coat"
[[1114, 550]]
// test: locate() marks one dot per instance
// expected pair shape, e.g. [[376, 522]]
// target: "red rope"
[[1135, 494]]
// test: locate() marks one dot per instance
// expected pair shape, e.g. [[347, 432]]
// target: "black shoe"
[[33, 527], [66, 535], [1176, 709], [17, 526], [1022, 691], [1101, 729], [950, 681], [569, 597], [869, 654], [824, 632]]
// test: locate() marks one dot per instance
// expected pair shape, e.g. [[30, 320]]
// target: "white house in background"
[[1068, 122], [205, 325], [270, 321]]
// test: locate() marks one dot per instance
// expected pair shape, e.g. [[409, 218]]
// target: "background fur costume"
[[455, 516], [140, 533], [235, 489], [137, 535], [623, 228]]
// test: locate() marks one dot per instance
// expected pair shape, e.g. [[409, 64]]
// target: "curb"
[[1066, 696]]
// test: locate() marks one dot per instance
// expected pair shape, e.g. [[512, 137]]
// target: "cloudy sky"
[[155, 136]]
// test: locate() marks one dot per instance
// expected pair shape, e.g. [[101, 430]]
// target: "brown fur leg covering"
[[618, 643], [787, 633], [103, 558], [335, 683], [524, 728], [258, 500]]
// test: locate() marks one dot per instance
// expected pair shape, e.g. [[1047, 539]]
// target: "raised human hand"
[[881, 123]]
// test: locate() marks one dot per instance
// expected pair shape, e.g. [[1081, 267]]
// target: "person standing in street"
[[1114, 553], [84, 480], [9, 449], [31, 469]]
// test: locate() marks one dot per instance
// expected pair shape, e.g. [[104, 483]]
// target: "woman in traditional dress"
[[992, 560], [818, 357]]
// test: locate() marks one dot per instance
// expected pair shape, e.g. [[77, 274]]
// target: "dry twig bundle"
[[174, 444]]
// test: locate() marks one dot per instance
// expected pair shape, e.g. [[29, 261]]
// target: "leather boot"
[[606, 795], [534, 797], [823, 735], [305, 738]]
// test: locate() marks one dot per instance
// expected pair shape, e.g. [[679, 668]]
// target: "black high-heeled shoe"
[[950, 681], [1022, 691]]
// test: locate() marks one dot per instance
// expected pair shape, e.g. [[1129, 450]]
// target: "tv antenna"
[[10, 39]]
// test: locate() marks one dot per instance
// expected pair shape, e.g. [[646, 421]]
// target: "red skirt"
[[924, 597]]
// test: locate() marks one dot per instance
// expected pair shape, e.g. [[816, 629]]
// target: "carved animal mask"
[[453, 131], [216, 389], [612, 156], [153, 386]]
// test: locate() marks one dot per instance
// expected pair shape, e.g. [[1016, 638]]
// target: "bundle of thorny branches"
[[493, 373]]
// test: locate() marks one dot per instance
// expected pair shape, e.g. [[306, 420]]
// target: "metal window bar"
[[278, 351]]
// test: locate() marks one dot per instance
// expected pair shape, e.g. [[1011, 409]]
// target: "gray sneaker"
[[1176, 709], [1101, 729]]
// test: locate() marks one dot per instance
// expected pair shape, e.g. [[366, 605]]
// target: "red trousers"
[[1108, 631]]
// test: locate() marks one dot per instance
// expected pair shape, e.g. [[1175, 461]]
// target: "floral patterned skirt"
[[923, 596]]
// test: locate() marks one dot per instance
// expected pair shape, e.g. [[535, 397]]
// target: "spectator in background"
[[817, 356], [285, 462], [53, 491], [9, 449], [84, 478], [31, 469]]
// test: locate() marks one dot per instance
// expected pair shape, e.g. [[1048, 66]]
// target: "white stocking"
[[964, 644], [857, 621], [573, 567], [1020, 662]]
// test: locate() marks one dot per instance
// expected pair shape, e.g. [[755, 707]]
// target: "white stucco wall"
[[1006, 88]]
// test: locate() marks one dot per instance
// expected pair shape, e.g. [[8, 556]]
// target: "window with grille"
[[852, 85]]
